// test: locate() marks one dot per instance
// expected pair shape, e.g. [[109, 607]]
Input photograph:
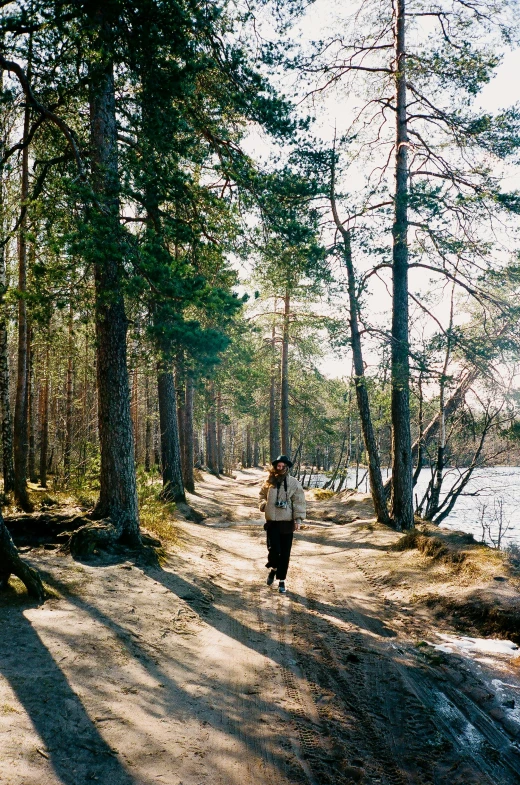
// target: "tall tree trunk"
[[211, 431], [118, 491], [274, 415], [67, 452], [284, 405], [173, 488], [220, 434], [249, 447], [198, 439], [20, 413], [5, 399], [188, 434], [134, 413], [402, 481], [156, 441], [31, 419], [44, 421], [148, 425], [369, 437], [256, 445], [85, 413], [5, 406], [181, 403]]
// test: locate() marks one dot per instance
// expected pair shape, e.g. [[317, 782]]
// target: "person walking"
[[282, 500]]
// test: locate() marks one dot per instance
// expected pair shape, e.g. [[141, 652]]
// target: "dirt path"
[[199, 673]]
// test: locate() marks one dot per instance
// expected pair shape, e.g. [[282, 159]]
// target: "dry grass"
[[457, 549], [156, 515], [320, 494], [6, 708], [86, 498], [471, 585]]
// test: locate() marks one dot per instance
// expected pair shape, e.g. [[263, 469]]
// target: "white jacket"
[[296, 508]]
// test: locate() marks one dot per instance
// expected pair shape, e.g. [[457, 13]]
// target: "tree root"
[[43, 528], [94, 536], [190, 513], [11, 564], [109, 537]]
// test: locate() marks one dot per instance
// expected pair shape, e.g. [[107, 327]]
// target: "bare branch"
[[10, 65]]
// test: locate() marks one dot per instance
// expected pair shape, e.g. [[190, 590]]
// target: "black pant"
[[279, 547]]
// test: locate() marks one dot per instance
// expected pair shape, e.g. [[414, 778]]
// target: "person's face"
[[280, 466]]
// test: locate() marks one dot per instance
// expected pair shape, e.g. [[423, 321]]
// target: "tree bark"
[[118, 491], [173, 488], [189, 482], [274, 416], [220, 433], [31, 419], [5, 400], [11, 564], [44, 421], [67, 452], [148, 426], [284, 404], [156, 441], [181, 414], [211, 431], [134, 414], [256, 445], [20, 413], [249, 447], [402, 481]]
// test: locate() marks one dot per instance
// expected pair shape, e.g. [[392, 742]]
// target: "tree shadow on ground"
[[346, 544], [76, 750], [223, 708], [353, 612], [225, 715]]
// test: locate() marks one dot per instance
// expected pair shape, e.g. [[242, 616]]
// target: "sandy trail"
[[199, 673]]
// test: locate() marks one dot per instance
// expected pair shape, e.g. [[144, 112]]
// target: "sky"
[[501, 92]]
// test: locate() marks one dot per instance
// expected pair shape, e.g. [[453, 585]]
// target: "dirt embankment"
[[466, 584], [195, 672]]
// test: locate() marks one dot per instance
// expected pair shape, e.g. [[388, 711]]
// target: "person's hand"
[[297, 524], [262, 506]]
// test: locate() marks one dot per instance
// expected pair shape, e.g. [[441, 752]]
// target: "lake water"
[[493, 493]]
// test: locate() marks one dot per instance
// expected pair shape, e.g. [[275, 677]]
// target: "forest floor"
[[374, 668]]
